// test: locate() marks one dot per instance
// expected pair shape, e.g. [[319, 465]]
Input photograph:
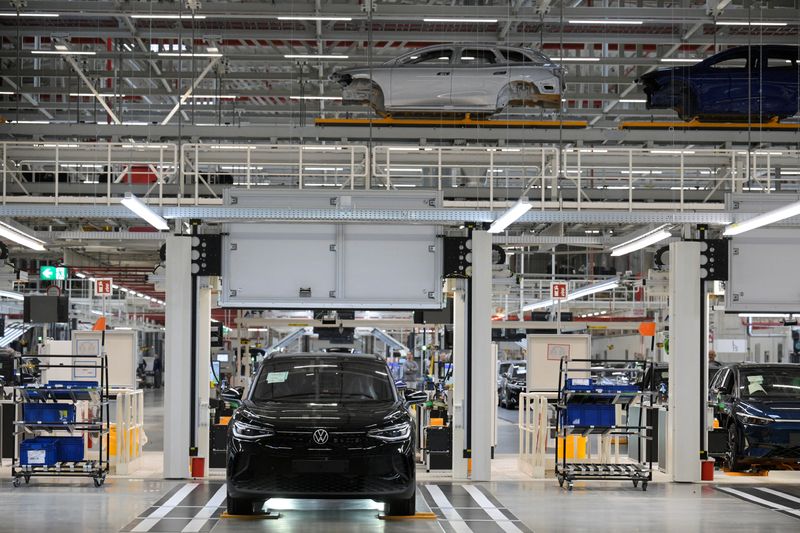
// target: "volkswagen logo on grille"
[[320, 436]]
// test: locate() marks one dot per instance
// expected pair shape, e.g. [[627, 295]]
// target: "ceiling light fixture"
[[593, 59], [314, 56], [7, 92], [168, 17], [745, 23], [213, 96], [64, 52], [632, 100], [29, 122], [398, 169], [464, 20], [37, 15], [315, 98], [102, 95], [189, 54], [510, 216], [641, 241], [764, 219], [611, 21], [12, 295], [320, 18], [679, 60], [143, 211], [20, 237]]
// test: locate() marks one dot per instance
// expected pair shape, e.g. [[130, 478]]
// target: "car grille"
[[335, 439]]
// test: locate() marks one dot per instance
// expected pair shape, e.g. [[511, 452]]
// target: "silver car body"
[[455, 78]]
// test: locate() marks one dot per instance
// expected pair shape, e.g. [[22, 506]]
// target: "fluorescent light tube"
[[594, 59], [643, 241], [314, 56], [671, 152], [38, 15], [12, 295], [484, 21], [679, 60], [764, 315], [29, 122], [143, 211], [602, 286], [770, 217], [615, 22], [20, 237], [323, 169], [744, 23], [7, 92], [168, 17], [510, 216], [632, 100], [189, 54], [321, 18], [399, 169], [214, 96], [104, 95], [315, 98], [64, 52]]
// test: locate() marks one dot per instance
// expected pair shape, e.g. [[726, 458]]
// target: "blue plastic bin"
[[39, 451], [48, 413], [590, 414], [61, 384], [69, 449]]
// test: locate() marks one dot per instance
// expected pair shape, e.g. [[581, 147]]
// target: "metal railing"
[[569, 178]]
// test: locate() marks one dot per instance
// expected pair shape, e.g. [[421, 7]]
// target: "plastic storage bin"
[[39, 451], [61, 384], [48, 413], [69, 449], [590, 414]]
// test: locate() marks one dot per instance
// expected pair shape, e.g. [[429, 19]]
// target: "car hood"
[[662, 73], [299, 416], [775, 409]]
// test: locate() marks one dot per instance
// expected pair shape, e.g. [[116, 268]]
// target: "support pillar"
[[483, 378], [203, 370], [685, 334], [460, 464], [176, 358]]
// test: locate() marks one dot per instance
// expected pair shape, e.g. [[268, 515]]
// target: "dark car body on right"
[[759, 407], [756, 82]]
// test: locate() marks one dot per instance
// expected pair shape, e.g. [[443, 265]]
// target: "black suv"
[[323, 426]]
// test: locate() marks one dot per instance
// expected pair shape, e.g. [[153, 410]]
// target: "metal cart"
[[586, 406], [97, 396]]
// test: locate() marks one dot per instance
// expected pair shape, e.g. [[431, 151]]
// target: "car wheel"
[[683, 99], [499, 397], [376, 101], [402, 506], [732, 455], [239, 506], [504, 399]]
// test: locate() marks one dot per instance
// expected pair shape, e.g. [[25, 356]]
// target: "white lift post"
[[683, 429], [460, 463], [483, 375], [176, 358], [203, 371]]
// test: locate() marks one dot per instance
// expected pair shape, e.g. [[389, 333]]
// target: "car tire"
[[239, 506], [504, 399], [402, 506], [683, 98], [732, 455]]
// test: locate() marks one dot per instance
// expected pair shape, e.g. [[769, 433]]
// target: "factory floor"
[[513, 503]]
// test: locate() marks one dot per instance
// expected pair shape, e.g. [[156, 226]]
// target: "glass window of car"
[[438, 56], [781, 59], [518, 371], [735, 62], [517, 56], [478, 57], [770, 383], [322, 379]]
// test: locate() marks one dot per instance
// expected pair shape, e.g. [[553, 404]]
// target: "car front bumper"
[[775, 442], [380, 472]]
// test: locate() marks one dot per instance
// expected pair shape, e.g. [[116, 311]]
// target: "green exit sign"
[[51, 273]]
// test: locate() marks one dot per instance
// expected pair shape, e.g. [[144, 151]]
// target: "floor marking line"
[[206, 512], [502, 520], [766, 503], [454, 519], [153, 518], [779, 494]]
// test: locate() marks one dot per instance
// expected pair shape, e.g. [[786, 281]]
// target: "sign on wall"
[[558, 290], [52, 273], [102, 287]]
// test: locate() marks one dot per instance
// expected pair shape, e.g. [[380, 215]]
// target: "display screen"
[[222, 357]]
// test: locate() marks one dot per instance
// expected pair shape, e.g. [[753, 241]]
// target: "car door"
[[722, 85], [778, 83], [478, 77], [422, 81]]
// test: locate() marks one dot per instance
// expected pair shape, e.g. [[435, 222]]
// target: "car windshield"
[[776, 383], [323, 379]]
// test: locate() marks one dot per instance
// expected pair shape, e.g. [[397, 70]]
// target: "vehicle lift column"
[[685, 340], [460, 340], [482, 376], [177, 346], [203, 371]]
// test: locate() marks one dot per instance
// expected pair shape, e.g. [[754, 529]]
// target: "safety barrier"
[[127, 435], [533, 434]]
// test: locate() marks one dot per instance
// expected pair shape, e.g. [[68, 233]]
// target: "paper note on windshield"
[[754, 384], [277, 377]]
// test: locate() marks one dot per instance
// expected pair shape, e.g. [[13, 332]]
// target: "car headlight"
[[245, 431], [755, 420], [392, 433]]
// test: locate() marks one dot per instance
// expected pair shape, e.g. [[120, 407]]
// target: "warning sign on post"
[[102, 287], [558, 290]]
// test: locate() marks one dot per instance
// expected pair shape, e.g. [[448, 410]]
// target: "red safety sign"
[[558, 290], [102, 287]]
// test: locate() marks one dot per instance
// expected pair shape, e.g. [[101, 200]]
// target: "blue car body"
[[759, 406], [755, 82]]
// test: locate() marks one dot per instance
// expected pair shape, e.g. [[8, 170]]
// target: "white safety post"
[[176, 358], [460, 464], [203, 371], [483, 375], [683, 429]]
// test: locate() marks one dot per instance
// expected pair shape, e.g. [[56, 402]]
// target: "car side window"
[[440, 56], [716, 381], [781, 60], [478, 57], [731, 63]]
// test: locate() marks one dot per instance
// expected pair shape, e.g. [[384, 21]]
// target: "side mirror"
[[415, 396], [720, 391], [231, 395]]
